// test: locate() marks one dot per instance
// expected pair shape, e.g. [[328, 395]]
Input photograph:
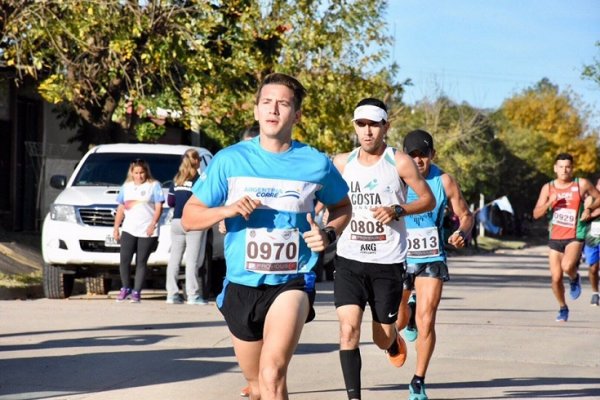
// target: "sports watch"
[[398, 211], [330, 233]]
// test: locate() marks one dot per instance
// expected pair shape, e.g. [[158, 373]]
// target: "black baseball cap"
[[418, 140]]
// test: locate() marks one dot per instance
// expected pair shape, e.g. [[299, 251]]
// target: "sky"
[[484, 52]]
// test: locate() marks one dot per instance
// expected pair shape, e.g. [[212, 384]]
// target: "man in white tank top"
[[371, 250]]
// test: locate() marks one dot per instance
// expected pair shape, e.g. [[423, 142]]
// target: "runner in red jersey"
[[561, 199]]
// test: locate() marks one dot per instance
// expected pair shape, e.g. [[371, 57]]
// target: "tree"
[[115, 63], [463, 139], [541, 122], [592, 71], [533, 127]]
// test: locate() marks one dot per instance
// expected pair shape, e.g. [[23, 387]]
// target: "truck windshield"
[[110, 169]]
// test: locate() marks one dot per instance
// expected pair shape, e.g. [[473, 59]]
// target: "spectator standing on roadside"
[[192, 242], [140, 202], [266, 189]]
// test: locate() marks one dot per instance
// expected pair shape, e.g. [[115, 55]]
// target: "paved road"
[[496, 339]]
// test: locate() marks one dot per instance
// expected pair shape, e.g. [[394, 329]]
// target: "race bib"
[[423, 242], [364, 228], [272, 251], [564, 217], [595, 229]]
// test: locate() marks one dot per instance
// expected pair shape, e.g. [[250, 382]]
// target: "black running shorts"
[[245, 308], [434, 269], [379, 285], [561, 244]]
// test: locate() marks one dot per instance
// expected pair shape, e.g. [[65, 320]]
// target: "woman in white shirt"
[[140, 206]]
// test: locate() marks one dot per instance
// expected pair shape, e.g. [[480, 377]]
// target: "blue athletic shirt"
[[425, 231], [269, 248]]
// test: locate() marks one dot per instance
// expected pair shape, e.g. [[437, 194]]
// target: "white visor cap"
[[370, 112]]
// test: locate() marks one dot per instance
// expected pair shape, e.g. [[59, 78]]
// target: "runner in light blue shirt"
[[266, 189]]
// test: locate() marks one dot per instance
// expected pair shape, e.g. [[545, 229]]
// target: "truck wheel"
[[97, 285], [57, 284]]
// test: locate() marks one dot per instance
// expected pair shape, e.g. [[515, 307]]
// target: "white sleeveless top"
[[365, 239]]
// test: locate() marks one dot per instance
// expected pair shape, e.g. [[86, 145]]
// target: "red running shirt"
[[565, 211]]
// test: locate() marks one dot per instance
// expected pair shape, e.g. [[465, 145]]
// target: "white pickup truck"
[[77, 231]]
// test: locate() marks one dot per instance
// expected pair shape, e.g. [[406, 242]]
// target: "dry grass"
[[20, 280]]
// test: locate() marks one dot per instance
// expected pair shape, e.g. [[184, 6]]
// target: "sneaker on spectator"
[[175, 299], [198, 301], [595, 300], [563, 315], [136, 297], [124, 293], [575, 287]]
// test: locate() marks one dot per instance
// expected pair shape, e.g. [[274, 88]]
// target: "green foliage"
[[592, 71], [541, 122], [533, 127], [463, 139], [149, 132], [100, 56]]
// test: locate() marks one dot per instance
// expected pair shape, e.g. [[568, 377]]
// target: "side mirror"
[[58, 181]]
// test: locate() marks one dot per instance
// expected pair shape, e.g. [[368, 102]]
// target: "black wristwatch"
[[398, 211], [330, 233]]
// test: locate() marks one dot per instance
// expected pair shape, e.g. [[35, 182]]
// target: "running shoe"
[[417, 392], [595, 300], [563, 315], [245, 392], [198, 301], [399, 358], [575, 289], [175, 299], [410, 331], [124, 293], [136, 297]]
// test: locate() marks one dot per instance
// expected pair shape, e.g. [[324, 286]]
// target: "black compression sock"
[[351, 366], [417, 383], [411, 321], [393, 349]]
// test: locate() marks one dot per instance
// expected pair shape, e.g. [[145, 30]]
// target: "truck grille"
[[96, 246], [97, 216]]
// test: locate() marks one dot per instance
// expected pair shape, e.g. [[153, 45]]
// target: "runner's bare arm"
[[197, 216], [340, 161], [591, 207], [544, 202], [408, 171], [460, 208]]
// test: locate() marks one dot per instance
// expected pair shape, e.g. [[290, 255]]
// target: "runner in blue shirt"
[[266, 189], [427, 269]]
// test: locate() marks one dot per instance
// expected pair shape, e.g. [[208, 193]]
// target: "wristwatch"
[[461, 234], [398, 211], [330, 233]]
